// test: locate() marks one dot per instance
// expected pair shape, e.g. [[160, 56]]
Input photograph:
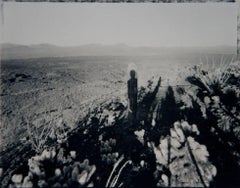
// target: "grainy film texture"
[[111, 95]]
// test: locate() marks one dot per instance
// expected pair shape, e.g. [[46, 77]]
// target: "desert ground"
[[88, 95], [68, 87]]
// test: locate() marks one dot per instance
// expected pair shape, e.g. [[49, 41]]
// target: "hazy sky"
[[206, 24]]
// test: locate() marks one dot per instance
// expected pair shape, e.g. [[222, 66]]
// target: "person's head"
[[132, 73]]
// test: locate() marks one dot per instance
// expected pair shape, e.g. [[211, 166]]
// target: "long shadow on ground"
[[145, 107], [167, 113]]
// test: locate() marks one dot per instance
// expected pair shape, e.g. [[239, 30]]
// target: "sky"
[[141, 24]]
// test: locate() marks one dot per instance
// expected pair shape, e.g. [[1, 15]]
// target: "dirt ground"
[[54, 88], [63, 87]]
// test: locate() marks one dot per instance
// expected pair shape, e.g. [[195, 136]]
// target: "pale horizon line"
[[117, 44]]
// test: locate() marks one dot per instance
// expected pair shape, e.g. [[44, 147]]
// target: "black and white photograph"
[[120, 94]]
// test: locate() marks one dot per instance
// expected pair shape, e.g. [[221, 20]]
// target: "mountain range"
[[16, 51]]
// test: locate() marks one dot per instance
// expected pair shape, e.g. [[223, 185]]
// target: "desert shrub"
[[60, 132], [47, 130], [52, 169], [39, 132], [108, 151], [215, 79], [42, 133], [212, 77], [212, 102], [217, 92]]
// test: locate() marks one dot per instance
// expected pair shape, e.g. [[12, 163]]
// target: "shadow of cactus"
[[167, 113], [146, 103]]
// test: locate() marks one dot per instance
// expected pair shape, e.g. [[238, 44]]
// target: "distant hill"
[[15, 51]]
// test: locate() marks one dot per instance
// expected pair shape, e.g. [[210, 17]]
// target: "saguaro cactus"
[[132, 96]]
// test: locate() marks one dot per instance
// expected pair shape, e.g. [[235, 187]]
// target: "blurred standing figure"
[[132, 96]]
